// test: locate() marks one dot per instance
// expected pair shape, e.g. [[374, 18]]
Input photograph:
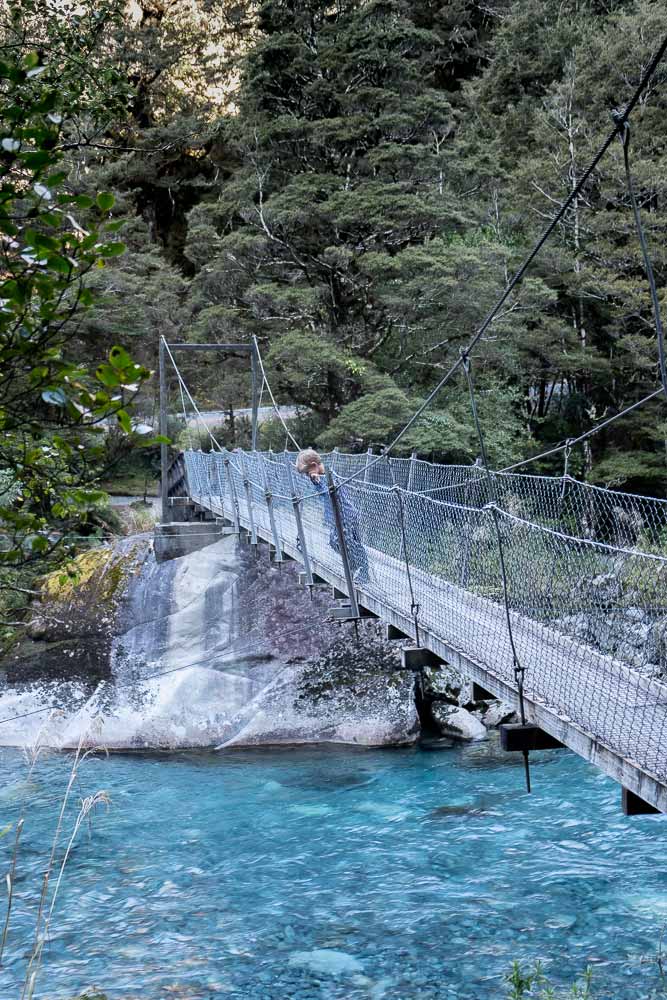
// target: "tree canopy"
[[353, 184]]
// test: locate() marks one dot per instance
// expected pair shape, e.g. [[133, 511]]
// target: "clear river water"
[[330, 874]]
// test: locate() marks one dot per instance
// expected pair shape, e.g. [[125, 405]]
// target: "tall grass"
[[46, 911]]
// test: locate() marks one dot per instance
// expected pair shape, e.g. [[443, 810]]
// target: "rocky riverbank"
[[216, 648]]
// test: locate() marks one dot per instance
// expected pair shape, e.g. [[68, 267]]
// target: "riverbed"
[[329, 874]]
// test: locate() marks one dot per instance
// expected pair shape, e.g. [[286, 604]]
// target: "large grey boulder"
[[458, 723], [497, 713], [216, 648]]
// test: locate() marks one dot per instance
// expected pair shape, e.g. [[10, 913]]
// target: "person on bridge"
[[309, 463]]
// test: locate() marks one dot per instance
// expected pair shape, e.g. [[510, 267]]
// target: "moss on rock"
[[70, 633], [99, 568]]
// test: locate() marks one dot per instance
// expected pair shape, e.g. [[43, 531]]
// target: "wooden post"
[[369, 455], [254, 368], [296, 505], [354, 607], [221, 489]]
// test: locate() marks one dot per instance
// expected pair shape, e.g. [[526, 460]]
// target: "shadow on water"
[[480, 807], [489, 755]]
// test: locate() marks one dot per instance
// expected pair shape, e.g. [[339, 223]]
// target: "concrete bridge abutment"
[[180, 538]]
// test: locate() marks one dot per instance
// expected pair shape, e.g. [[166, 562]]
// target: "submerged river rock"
[[216, 648]]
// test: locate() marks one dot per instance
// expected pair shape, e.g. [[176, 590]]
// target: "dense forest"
[[353, 183]]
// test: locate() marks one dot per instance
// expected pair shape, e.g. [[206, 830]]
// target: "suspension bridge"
[[484, 571], [548, 592]]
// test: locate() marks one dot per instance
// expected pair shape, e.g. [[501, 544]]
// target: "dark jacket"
[[348, 512]]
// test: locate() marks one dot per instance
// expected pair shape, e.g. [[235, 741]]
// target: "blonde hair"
[[306, 459]]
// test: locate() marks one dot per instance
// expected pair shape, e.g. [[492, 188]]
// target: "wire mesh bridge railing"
[[588, 615]]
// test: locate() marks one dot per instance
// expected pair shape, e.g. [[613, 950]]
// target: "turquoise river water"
[[325, 874]]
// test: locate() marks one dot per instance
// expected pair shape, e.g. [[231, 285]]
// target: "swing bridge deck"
[[599, 705]]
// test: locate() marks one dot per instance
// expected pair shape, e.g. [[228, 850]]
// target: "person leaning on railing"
[[310, 464]]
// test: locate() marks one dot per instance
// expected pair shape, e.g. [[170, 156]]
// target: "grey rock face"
[[218, 647], [447, 682]]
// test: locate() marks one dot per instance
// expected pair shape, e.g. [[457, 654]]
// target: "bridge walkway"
[[620, 723]]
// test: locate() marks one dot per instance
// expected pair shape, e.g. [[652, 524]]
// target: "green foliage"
[[51, 406], [380, 201], [354, 185]]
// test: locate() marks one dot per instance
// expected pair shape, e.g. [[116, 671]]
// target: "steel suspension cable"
[[571, 442], [185, 415], [519, 669], [620, 119], [184, 388], [273, 400], [624, 136]]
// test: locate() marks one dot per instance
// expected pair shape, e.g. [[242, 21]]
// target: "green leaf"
[[107, 376], [119, 357], [36, 159], [105, 201], [60, 264], [124, 420], [111, 249], [153, 440]]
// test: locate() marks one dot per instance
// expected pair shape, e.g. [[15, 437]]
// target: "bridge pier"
[[480, 693], [633, 805], [180, 538], [526, 736], [181, 509]]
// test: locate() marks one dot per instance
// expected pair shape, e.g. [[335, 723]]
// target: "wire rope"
[[273, 400], [620, 119], [662, 364], [189, 395], [519, 669]]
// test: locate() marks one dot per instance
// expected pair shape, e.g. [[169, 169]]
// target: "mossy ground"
[[70, 629]]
